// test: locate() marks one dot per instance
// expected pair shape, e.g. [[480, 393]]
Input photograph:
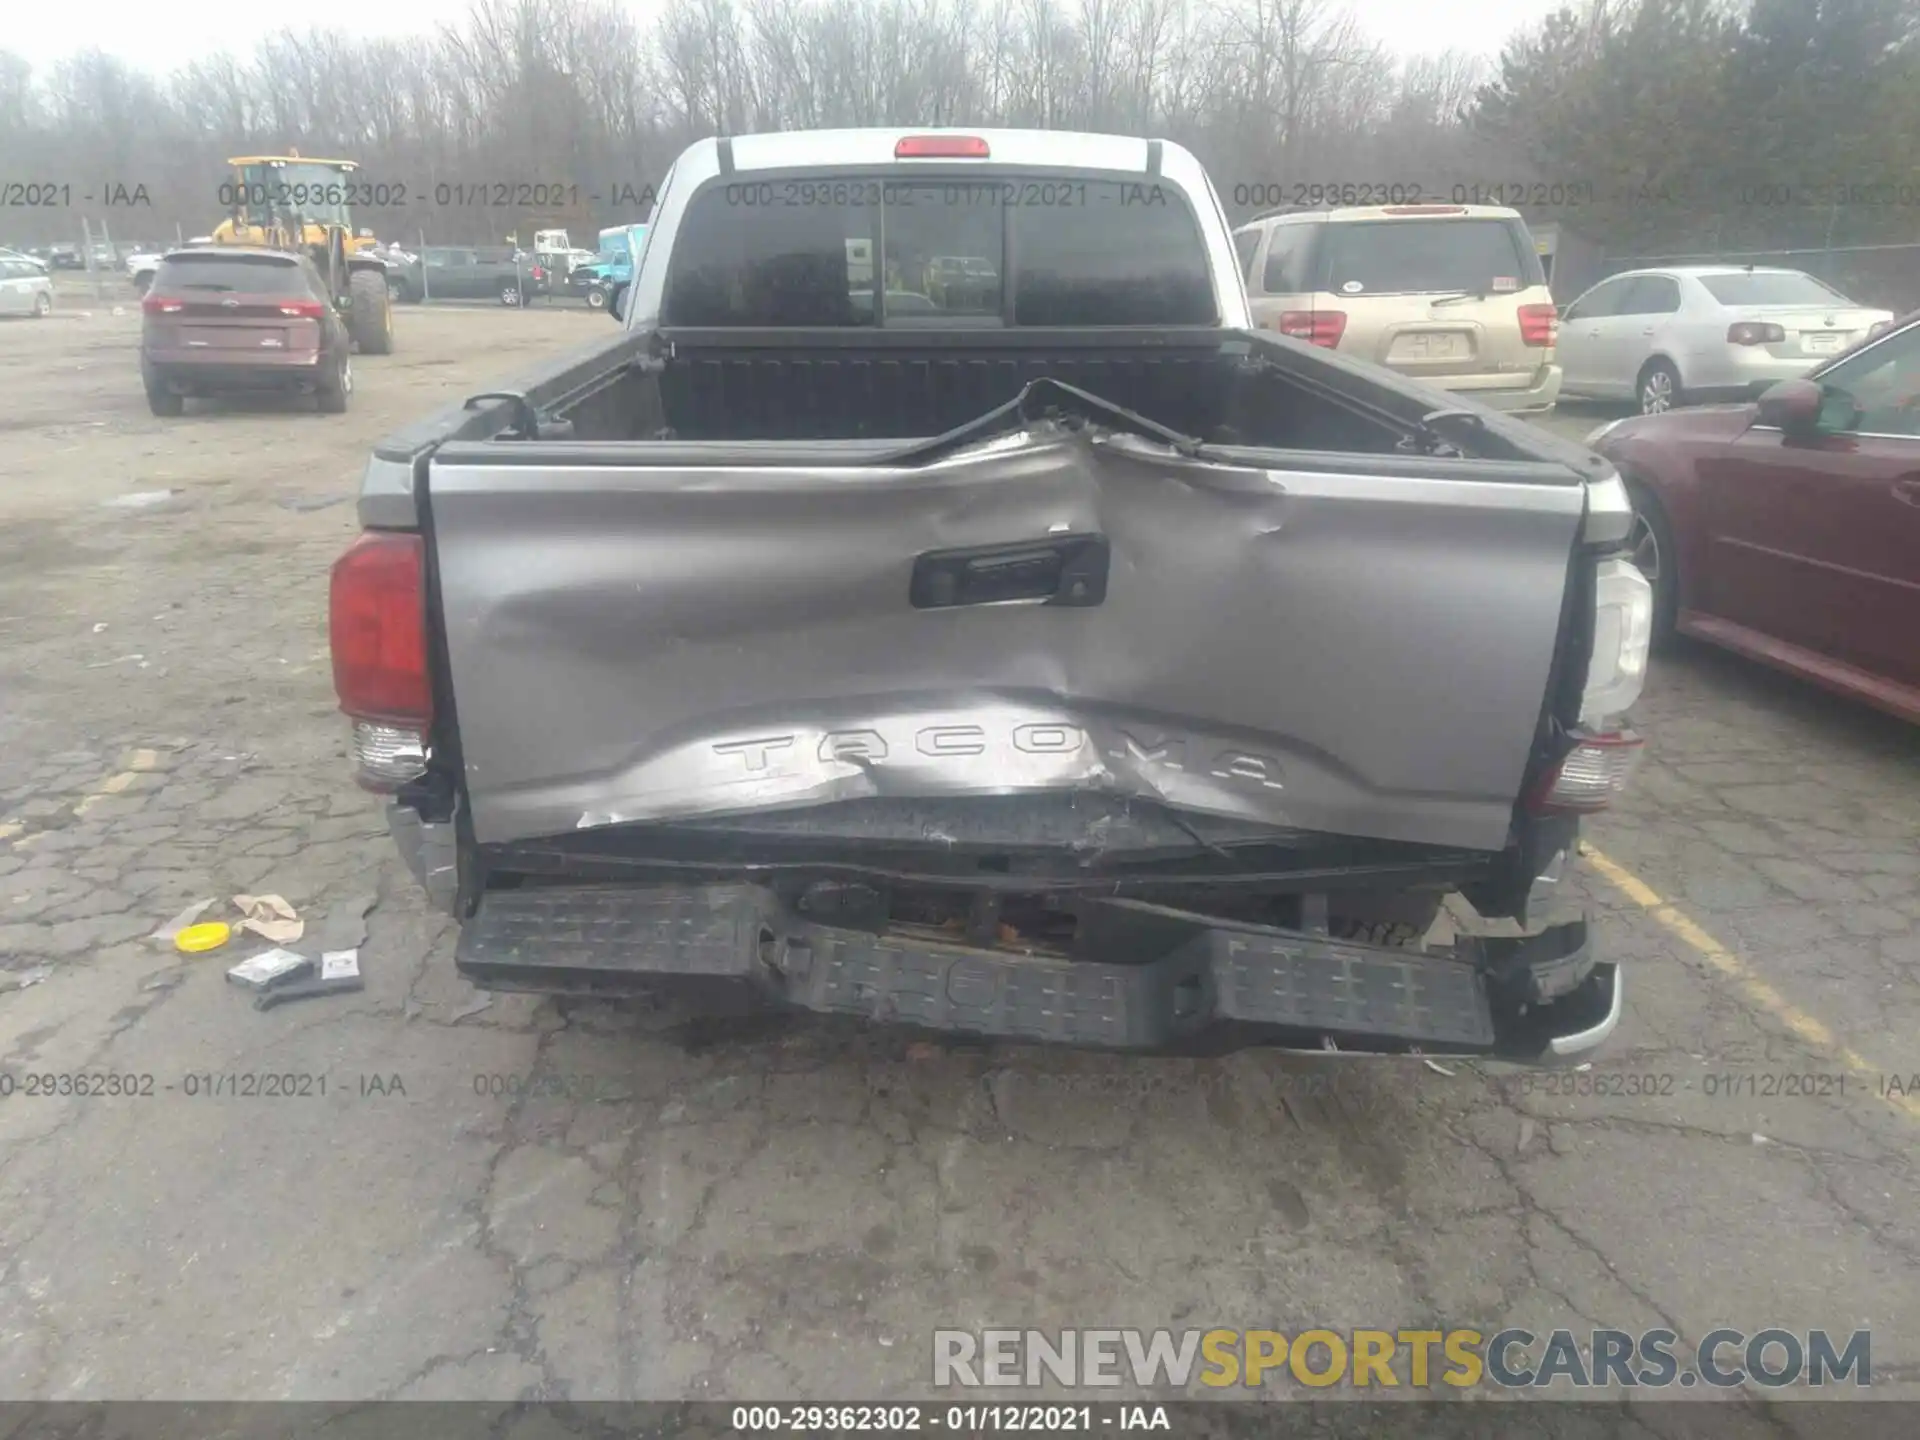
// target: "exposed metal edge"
[[1581, 1042], [430, 852], [1609, 511], [387, 500], [1153, 157], [723, 148]]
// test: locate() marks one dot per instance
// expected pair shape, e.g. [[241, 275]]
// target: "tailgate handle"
[[1066, 570]]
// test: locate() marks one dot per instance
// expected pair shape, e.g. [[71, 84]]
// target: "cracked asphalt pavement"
[[525, 1199]]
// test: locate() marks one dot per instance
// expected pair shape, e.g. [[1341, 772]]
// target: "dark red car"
[[1789, 529], [217, 320]]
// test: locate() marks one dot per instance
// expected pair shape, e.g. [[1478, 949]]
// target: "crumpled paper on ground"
[[270, 917]]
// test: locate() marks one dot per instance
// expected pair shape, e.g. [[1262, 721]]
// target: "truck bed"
[[691, 597], [903, 385]]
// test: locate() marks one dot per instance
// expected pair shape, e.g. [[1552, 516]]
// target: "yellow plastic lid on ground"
[[197, 939]]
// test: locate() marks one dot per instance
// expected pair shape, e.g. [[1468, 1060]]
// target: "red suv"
[[236, 318]]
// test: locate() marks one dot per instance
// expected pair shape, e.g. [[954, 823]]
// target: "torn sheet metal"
[[1358, 653]]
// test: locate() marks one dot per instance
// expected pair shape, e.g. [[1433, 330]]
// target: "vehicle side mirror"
[[1793, 407]]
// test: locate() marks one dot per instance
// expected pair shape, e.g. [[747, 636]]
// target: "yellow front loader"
[[291, 202]]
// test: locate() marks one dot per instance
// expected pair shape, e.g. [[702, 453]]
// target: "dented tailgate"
[[1353, 652]]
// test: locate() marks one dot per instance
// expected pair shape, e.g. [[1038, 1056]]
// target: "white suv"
[[1450, 294]]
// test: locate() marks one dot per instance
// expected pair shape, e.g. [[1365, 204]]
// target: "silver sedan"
[[24, 286], [1663, 337]]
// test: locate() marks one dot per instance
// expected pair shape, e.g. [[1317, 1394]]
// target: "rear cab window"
[[231, 274], [981, 249], [1474, 255]]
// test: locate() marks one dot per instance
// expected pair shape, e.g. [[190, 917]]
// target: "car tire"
[[370, 316], [510, 294], [1657, 390], [597, 297], [333, 394], [164, 402], [1650, 546], [42, 306]]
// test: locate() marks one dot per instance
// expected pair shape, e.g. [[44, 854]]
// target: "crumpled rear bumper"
[[1149, 979]]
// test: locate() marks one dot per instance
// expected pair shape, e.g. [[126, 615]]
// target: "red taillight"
[[1539, 325], [1755, 332], [538, 273], [941, 147], [1320, 327], [304, 309], [1588, 777], [156, 305], [377, 626]]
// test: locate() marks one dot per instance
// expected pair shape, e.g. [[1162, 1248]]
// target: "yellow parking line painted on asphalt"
[[112, 785], [143, 760], [10, 829], [1813, 1031]]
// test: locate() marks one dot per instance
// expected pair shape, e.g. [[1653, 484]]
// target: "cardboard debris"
[[270, 917]]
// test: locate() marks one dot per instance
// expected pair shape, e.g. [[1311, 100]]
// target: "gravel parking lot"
[[788, 1212]]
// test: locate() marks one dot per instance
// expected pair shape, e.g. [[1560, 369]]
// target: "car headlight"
[[1598, 435], [1622, 635]]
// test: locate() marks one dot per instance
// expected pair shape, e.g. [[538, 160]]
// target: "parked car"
[[65, 257], [140, 267], [1704, 333], [472, 272], [1094, 669], [233, 318], [1450, 294], [25, 288], [38, 264], [1789, 529]]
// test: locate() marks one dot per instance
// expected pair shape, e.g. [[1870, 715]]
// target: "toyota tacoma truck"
[[1057, 657]]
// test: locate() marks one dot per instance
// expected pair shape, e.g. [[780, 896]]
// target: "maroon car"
[[233, 318], [1789, 529]]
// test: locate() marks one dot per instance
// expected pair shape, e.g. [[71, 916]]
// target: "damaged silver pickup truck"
[[937, 603]]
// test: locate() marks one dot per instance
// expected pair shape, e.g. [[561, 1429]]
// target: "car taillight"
[[305, 309], [155, 305], [1878, 328], [1590, 775], [377, 627], [538, 273], [1539, 325], [1755, 332], [1321, 327], [941, 147]]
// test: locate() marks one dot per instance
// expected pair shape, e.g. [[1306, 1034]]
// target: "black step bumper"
[[1180, 983]]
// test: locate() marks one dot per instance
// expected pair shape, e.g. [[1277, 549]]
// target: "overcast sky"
[[159, 37]]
